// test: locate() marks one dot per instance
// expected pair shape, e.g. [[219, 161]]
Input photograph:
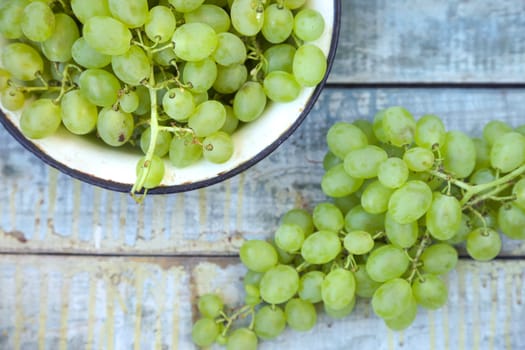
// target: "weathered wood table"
[[85, 268]]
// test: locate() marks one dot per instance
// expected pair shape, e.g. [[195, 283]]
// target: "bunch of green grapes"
[[403, 193], [174, 77]]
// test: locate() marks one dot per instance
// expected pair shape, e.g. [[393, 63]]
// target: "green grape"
[[328, 217], [459, 154], [519, 191], [401, 235], [84, 10], [249, 102], [364, 163], [386, 262], [511, 220], [133, 13], [114, 127], [439, 259], [210, 305], [40, 119], [374, 198], [294, 4], [231, 123], [494, 130], [178, 104], [443, 218], [338, 288], [58, 46], [278, 23], [508, 152], [330, 160], [398, 126], [186, 5], [289, 237], [38, 21], [252, 295], [357, 219], [279, 57], [321, 247], [204, 332], [213, 15], [165, 57], [12, 99], [283, 256], [107, 35], [308, 24], [270, 321], [300, 314], [258, 256], [392, 299], [144, 100], [419, 159], [393, 172], [22, 61], [5, 76], [242, 339], [344, 137], [230, 78], [301, 218], [160, 24], [162, 144], [252, 278], [404, 320], [482, 150], [430, 291], [217, 147], [207, 118], [184, 151], [200, 74], [340, 313], [483, 244], [358, 242], [309, 65], [194, 41], [86, 56], [410, 202], [247, 17], [230, 49], [281, 86], [430, 131], [482, 176], [78, 114], [279, 284], [462, 233], [133, 67], [365, 286], [310, 286], [11, 13], [129, 101], [99, 87]]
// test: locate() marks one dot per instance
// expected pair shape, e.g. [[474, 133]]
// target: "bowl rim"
[[121, 187]]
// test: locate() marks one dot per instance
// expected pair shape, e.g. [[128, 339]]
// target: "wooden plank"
[[44, 211], [451, 41], [146, 303]]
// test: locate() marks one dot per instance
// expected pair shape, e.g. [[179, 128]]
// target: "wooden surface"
[[85, 268]]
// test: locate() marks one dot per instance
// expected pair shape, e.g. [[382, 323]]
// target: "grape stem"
[[425, 241]]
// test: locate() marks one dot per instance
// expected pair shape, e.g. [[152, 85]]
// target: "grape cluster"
[[403, 194], [174, 77]]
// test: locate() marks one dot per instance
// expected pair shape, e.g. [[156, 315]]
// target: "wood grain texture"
[[145, 303], [42, 210], [426, 41]]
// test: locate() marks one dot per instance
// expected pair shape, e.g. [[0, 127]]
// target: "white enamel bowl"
[[91, 161]]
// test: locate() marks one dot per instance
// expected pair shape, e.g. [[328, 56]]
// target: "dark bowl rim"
[[120, 187]]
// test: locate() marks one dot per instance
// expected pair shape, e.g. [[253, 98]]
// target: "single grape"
[[217, 147], [133, 67], [204, 332], [321, 247], [242, 339], [278, 23], [5, 76], [231, 123], [430, 291], [443, 218], [459, 154], [257, 255], [107, 35], [309, 65], [358, 242], [78, 114], [404, 320], [375, 197], [114, 127], [213, 15], [86, 56], [38, 21], [338, 288], [210, 305], [57, 48], [279, 57], [340, 313], [252, 295], [99, 86], [230, 78], [129, 101], [439, 259], [289, 237], [40, 119], [207, 118], [511, 221], [398, 126], [430, 131], [22, 61], [160, 24], [494, 130], [508, 152], [279, 284], [365, 286], [386, 262], [270, 321], [392, 299], [154, 170], [178, 104], [310, 286], [162, 144], [281, 86], [330, 160], [410, 202], [363, 163], [247, 17], [300, 314], [483, 244], [200, 74], [358, 219], [301, 218], [194, 41], [464, 229], [11, 13], [294, 4], [84, 10], [186, 5], [419, 159], [184, 151], [249, 102], [133, 13], [401, 235], [230, 49], [252, 278], [393, 172], [519, 191], [328, 217], [344, 137], [308, 24], [12, 99]]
